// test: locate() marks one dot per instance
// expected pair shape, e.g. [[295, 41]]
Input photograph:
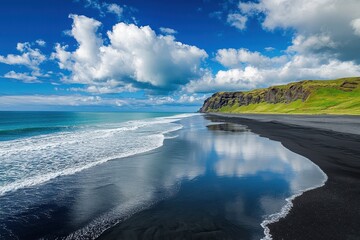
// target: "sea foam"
[[35, 160], [287, 207]]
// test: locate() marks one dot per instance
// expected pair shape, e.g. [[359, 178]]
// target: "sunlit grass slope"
[[340, 96]]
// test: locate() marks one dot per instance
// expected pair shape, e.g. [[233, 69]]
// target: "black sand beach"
[[329, 212], [239, 179], [206, 180]]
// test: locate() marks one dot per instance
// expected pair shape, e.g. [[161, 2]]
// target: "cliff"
[[340, 96]]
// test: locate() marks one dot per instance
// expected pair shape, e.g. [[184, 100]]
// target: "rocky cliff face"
[[279, 94], [338, 96]]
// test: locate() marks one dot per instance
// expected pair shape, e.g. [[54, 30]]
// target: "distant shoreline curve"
[[332, 143]]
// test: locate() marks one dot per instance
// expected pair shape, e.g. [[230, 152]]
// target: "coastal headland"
[[339, 96]]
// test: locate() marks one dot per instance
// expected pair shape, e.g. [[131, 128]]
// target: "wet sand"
[[238, 178], [337, 123], [331, 142]]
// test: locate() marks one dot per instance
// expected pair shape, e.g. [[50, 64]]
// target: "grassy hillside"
[[340, 96]]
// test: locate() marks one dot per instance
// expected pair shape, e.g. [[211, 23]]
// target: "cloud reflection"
[[217, 167]]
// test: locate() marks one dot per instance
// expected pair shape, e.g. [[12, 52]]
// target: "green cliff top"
[[340, 96]]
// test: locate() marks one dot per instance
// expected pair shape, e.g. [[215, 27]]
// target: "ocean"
[[73, 175]]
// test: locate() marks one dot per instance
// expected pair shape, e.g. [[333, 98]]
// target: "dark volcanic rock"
[[274, 95]]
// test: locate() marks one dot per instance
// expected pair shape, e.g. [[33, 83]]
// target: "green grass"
[[327, 97]]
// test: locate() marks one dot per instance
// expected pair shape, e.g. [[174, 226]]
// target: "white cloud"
[[22, 46], [161, 100], [135, 55], [105, 88], [237, 20], [323, 25], [173, 100], [84, 31], [104, 7], [63, 57], [297, 67], [115, 9], [192, 98], [269, 49], [40, 42], [24, 77], [299, 14], [355, 24], [321, 44], [229, 80], [235, 58], [168, 31], [28, 57], [53, 100], [325, 45], [34, 101]]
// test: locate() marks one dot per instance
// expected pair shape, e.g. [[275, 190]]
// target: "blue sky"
[[139, 55]]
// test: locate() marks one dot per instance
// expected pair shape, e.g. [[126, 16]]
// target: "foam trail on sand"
[[287, 208], [125, 210], [36, 180]]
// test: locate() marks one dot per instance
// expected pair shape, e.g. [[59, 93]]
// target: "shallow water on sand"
[[208, 180]]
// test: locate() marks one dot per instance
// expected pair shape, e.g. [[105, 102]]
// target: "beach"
[[180, 120], [222, 202], [176, 176], [331, 211]]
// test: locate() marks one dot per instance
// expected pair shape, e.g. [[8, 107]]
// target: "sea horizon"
[[179, 120]]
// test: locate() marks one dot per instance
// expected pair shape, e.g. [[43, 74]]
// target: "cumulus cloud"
[[228, 80], [134, 56], [254, 75], [356, 26], [237, 20], [236, 58], [315, 44], [24, 77], [28, 56], [40, 42], [115, 9], [321, 26], [168, 31], [325, 45]]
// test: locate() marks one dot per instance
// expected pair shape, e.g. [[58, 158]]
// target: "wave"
[[273, 218], [24, 132], [27, 162], [47, 177]]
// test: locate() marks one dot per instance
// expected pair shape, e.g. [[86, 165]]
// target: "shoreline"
[[337, 123], [285, 210], [328, 212]]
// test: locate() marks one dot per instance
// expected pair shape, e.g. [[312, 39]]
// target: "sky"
[[160, 55]]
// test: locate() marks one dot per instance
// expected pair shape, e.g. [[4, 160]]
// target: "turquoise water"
[[39, 146], [15, 125], [142, 176]]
